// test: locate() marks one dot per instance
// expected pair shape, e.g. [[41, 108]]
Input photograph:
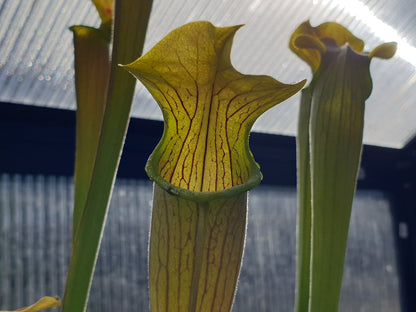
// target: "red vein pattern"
[[208, 106], [180, 278]]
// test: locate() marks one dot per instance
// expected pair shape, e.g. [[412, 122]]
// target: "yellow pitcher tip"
[[43, 303]]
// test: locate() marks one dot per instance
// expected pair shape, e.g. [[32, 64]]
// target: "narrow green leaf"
[[337, 121], [130, 24], [202, 166], [304, 214], [336, 96], [92, 73]]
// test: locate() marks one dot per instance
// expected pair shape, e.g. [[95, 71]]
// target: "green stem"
[[337, 122], [304, 213], [195, 252]]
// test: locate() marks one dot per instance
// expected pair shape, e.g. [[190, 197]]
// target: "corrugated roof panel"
[[36, 238], [36, 52]]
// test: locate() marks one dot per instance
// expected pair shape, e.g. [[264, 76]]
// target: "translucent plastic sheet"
[[35, 223], [36, 52]]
